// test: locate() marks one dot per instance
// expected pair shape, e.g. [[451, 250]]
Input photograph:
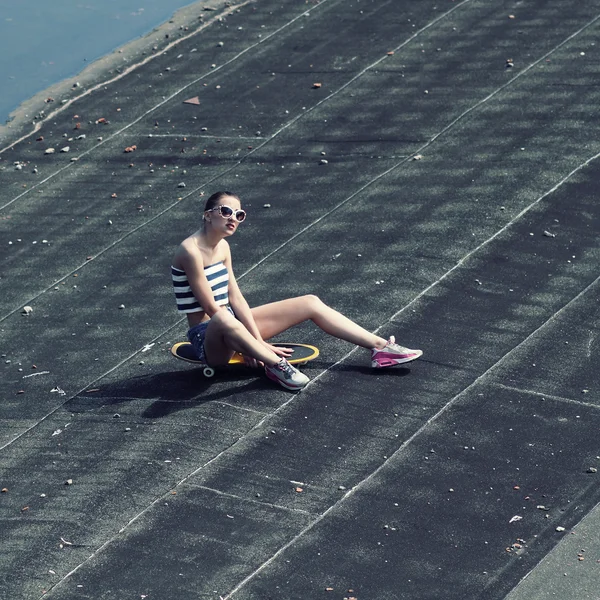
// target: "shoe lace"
[[393, 346], [285, 367]]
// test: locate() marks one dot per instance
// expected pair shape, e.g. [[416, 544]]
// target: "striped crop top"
[[218, 278]]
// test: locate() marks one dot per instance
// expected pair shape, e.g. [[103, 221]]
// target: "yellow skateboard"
[[302, 353]]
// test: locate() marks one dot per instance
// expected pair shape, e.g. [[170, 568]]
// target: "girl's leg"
[[272, 319], [226, 334]]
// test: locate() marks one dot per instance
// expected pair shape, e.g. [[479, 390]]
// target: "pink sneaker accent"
[[393, 354]]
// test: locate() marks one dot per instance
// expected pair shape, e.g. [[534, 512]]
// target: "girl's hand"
[[252, 363], [283, 352]]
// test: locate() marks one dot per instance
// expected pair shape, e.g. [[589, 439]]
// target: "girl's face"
[[225, 220]]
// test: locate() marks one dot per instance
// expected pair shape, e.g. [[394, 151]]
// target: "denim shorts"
[[197, 334]]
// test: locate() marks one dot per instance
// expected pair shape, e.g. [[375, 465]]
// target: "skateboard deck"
[[302, 353]]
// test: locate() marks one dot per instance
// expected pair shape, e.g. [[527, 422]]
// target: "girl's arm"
[[238, 302]]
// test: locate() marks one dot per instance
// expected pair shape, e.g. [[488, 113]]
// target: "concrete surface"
[[457, 210]]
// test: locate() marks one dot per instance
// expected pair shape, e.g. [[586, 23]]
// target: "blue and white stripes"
[[218, 278]]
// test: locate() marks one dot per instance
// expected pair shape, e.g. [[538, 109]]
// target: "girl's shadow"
[[173, 391], [170, 391]]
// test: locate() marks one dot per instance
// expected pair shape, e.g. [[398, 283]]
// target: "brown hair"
[[216, 197]]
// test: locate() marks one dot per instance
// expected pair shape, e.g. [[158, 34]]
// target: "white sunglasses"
[[226, 212]]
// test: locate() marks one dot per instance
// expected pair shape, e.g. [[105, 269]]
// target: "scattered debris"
[[516, 518], [34, 374], [195, 100], [516, 546]]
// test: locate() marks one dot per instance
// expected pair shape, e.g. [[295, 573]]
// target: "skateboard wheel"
[[208, 372]]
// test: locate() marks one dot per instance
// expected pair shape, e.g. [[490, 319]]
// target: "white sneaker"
[[393, 354], [287, 375]]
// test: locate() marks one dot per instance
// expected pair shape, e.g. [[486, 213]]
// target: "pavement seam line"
[[256, 412], [408, 441], [236, 497], [210, 137], [561, 399]]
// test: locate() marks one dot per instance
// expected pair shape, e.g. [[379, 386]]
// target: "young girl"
[[221, 322]]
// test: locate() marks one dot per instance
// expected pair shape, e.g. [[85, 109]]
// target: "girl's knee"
[[224, 321], [313, 300], [313, 303]]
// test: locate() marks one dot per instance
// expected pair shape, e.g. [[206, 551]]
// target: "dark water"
[[45, 41]]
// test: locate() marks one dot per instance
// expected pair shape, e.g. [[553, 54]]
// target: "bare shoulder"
[[187, 253]]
